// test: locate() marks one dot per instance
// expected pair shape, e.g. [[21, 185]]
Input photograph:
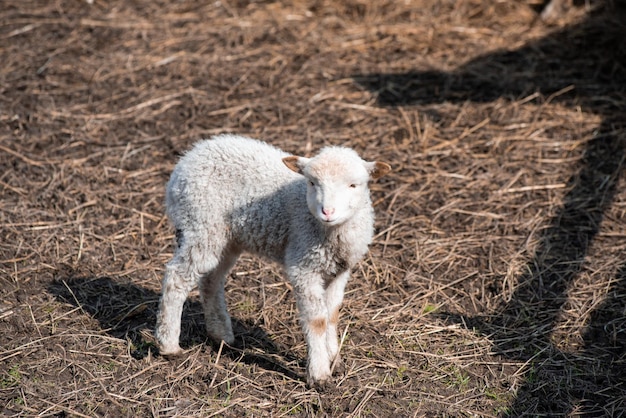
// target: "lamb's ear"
[[295, 163], [378, 169]]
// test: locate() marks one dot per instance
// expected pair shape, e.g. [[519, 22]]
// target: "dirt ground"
[[496, 283]]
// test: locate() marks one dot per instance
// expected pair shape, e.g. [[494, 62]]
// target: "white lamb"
[[232, 194]]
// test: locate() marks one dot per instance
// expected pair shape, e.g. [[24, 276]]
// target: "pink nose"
[[328, 212]]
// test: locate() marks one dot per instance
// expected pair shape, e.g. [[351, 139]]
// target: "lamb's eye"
[[311, 183], [353, 186]]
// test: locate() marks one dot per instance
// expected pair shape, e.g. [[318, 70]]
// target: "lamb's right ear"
[[379, 169], [295, 163]]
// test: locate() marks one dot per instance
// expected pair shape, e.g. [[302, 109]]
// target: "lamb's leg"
[[180, 278], [334, 298], [310, 298], [218, 323]]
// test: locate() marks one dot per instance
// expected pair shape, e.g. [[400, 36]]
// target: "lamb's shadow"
[[582, 66], [128, 312]]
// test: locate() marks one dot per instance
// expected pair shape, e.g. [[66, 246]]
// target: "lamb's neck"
[[351, 237]]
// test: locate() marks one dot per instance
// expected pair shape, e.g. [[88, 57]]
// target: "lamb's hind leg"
[[218, 323], [180, 278], [190, 263]]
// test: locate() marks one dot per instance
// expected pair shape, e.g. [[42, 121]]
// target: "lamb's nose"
[[328, 212]]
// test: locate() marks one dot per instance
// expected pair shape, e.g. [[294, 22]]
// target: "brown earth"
[[496, 285]]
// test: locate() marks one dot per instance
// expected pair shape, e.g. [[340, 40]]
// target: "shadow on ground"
[[582, 65], [128, 312]]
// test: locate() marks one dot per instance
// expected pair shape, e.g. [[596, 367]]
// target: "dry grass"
[[496, 285]]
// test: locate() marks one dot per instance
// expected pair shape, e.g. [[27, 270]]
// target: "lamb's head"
[[336, 182]]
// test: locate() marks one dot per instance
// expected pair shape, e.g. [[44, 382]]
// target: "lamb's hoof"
[[321, 382], [170, 353], [229, 340], [217, 338], [321, 386]]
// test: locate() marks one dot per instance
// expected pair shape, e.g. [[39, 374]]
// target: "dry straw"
[[496, 285]]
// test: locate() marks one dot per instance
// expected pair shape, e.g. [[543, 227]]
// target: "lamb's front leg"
[[311, 301], [334, 298]]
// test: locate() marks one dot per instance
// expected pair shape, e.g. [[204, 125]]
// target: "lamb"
[[231, 194]]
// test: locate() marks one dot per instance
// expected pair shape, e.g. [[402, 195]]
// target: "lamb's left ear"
[[377, 169], [295, 163]]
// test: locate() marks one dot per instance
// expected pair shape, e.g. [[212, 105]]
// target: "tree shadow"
[[581, 65], [128, 312], [590, 56], [556, 382], [589, 382]]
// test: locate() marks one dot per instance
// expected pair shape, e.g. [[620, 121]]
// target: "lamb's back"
[[236, 183]]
